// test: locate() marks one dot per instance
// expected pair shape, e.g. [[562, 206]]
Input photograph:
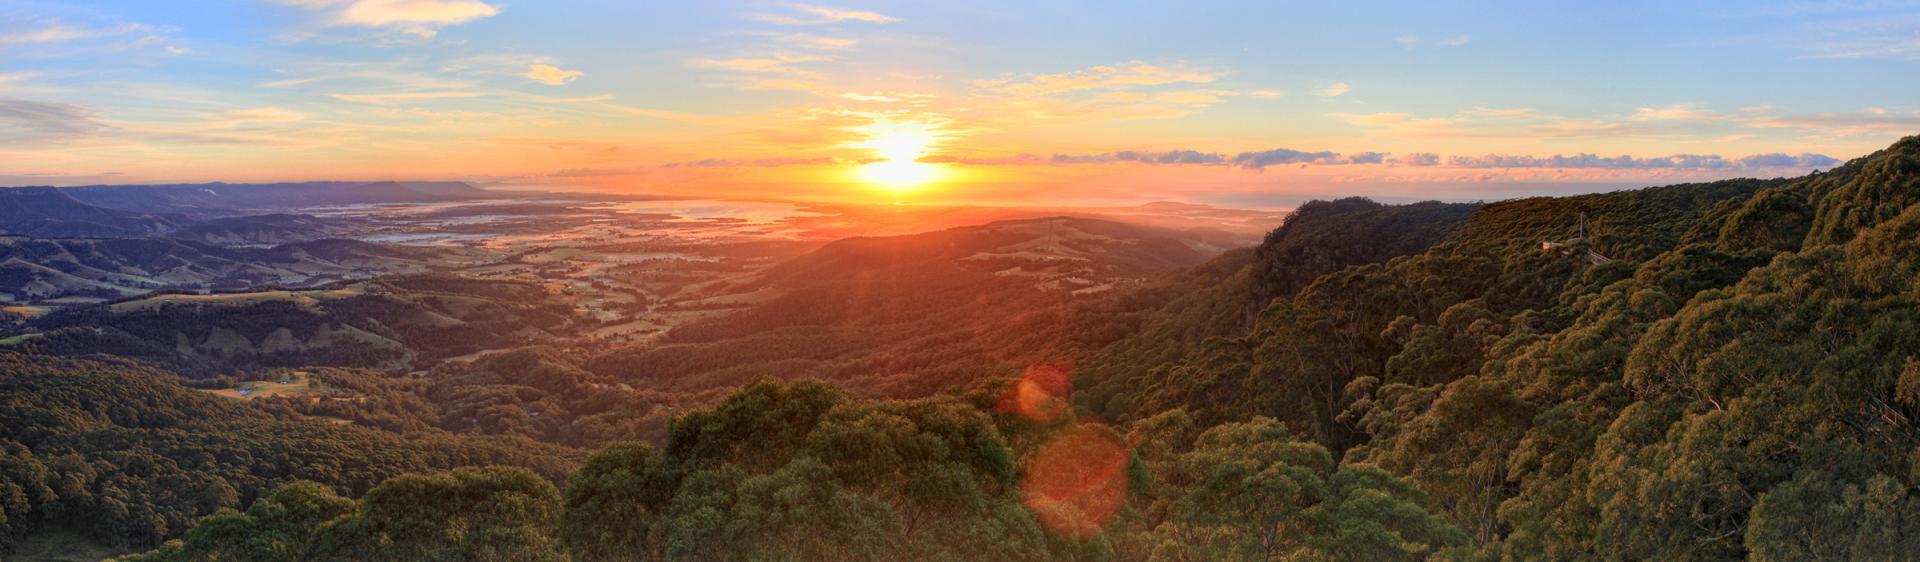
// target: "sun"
[[897, 149], [899, 175]]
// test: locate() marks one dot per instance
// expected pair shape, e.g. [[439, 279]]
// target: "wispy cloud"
[[773, 72], [1410, 41], [810, 41], [755, 163], [404, 74], [552, 75], [576, 99], [1168, 157], [1669, 122], [1104, 77], [1677, 161], [402, 97], [1129, 90], [808, 14], [1333, 90], [889, 97], [1281, 156], [26, 122], [650, 113], [54, 32], [1263, 159], [1830, 29], [419, 18], [255, 115]]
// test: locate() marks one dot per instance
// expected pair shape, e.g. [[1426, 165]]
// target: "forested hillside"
[[805, 471], [127, 455], [1222, 298], [1738, 381]]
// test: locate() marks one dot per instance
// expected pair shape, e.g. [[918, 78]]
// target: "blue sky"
[[1014, 101]]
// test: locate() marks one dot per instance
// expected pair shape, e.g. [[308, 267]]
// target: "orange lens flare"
[[1077, 482], [1041, 394]]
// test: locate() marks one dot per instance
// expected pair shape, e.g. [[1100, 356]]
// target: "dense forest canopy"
[[1740, 379]]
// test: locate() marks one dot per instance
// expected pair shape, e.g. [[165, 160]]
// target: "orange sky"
[[1257, 105]]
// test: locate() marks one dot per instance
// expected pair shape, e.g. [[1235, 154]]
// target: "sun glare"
[[897, 148]]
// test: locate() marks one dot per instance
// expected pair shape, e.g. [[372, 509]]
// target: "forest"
[[1740, 379]]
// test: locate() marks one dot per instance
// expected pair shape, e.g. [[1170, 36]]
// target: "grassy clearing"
[[299, 384], [233, 298], [25, 311], [19, 339]]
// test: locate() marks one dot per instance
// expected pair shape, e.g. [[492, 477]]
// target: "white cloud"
[[552, 75], [1334, 90], [1407, 41], [774, 72], [1457, 41], [578, 99], [56, 32], [1105, 77], [256, 115], [1675, 112], [420, 18], [807, 14], [403, 97], [811, 41]]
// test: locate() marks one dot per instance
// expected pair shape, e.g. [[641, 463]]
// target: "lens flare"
[[1077, 482], [1040, 395]]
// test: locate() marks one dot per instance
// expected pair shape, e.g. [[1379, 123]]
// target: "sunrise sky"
[[1258, 104]]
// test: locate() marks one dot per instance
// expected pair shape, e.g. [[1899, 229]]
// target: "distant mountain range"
[[206, 212]]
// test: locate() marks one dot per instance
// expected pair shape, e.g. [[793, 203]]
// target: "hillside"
[[47, 269], [47, 211], [125, 455], [1741, 367], [257, 230], [396, 323], [1223, 297], [910, 315], [214, 199]]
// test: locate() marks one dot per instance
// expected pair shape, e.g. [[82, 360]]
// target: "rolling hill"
[[393, 323], [47, 211], [216, 199], [50, 269], [909, 315]]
